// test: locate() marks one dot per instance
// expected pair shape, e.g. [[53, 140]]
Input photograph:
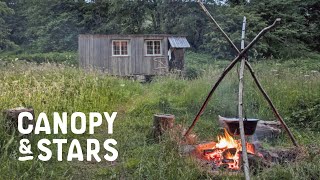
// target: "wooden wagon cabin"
[[130, 55]]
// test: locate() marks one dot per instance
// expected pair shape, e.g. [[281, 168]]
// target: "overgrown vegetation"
[[69, 58], [293, 85]]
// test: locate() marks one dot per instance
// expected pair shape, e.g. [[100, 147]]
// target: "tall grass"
[[50, 88], [68, 58]]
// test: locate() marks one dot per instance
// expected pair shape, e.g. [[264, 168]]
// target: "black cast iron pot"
[[233, 125]]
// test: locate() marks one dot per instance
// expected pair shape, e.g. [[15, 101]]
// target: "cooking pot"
[[232, 125]]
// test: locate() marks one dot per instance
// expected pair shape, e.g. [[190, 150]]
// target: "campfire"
[[226, 153]]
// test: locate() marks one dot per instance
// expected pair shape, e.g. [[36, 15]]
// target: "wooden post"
[[243, 32], [161, 123], [240, 108]]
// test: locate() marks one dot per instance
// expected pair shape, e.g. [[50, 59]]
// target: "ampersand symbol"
[[25, 148]]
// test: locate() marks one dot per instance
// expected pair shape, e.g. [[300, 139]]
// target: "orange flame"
[[226, 141], [222, 153], [229, 155]]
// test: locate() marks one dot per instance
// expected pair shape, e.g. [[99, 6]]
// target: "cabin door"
[[176, 61]]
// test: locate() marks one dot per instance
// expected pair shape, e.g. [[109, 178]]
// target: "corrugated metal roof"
[[179, 42]]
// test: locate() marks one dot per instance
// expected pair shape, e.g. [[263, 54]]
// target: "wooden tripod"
[[241, 55]]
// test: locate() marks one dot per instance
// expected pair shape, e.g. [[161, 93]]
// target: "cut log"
[[267, 130], [11, 116], [161, 123]]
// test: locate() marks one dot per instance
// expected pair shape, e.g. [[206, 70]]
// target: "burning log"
[[161, 123], [229, 152], [208, 151], [11, 116], [226, 161]]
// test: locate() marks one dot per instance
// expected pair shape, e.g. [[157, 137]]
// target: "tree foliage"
[[54, 25], [5, 42]]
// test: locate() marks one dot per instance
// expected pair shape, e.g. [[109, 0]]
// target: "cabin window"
[[120, 47], [153, 47]]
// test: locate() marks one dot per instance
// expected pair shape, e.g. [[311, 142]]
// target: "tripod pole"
[[240, 109]]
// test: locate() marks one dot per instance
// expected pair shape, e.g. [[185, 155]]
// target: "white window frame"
[[121, 40], [153, 49]]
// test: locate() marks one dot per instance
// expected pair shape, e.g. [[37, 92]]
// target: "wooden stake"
[[243, 32], [240, 109]]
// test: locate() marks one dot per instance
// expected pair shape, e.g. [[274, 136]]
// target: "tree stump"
[[11, 117], [161, 123]]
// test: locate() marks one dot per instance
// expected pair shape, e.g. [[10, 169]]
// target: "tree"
[[310, 10], [45, 26], [5, 42], [295, 36]]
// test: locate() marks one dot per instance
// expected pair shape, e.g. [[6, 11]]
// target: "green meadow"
[[293, 85]]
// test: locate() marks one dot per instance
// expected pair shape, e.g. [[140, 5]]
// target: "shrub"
[[192, 73], [306, 115]]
